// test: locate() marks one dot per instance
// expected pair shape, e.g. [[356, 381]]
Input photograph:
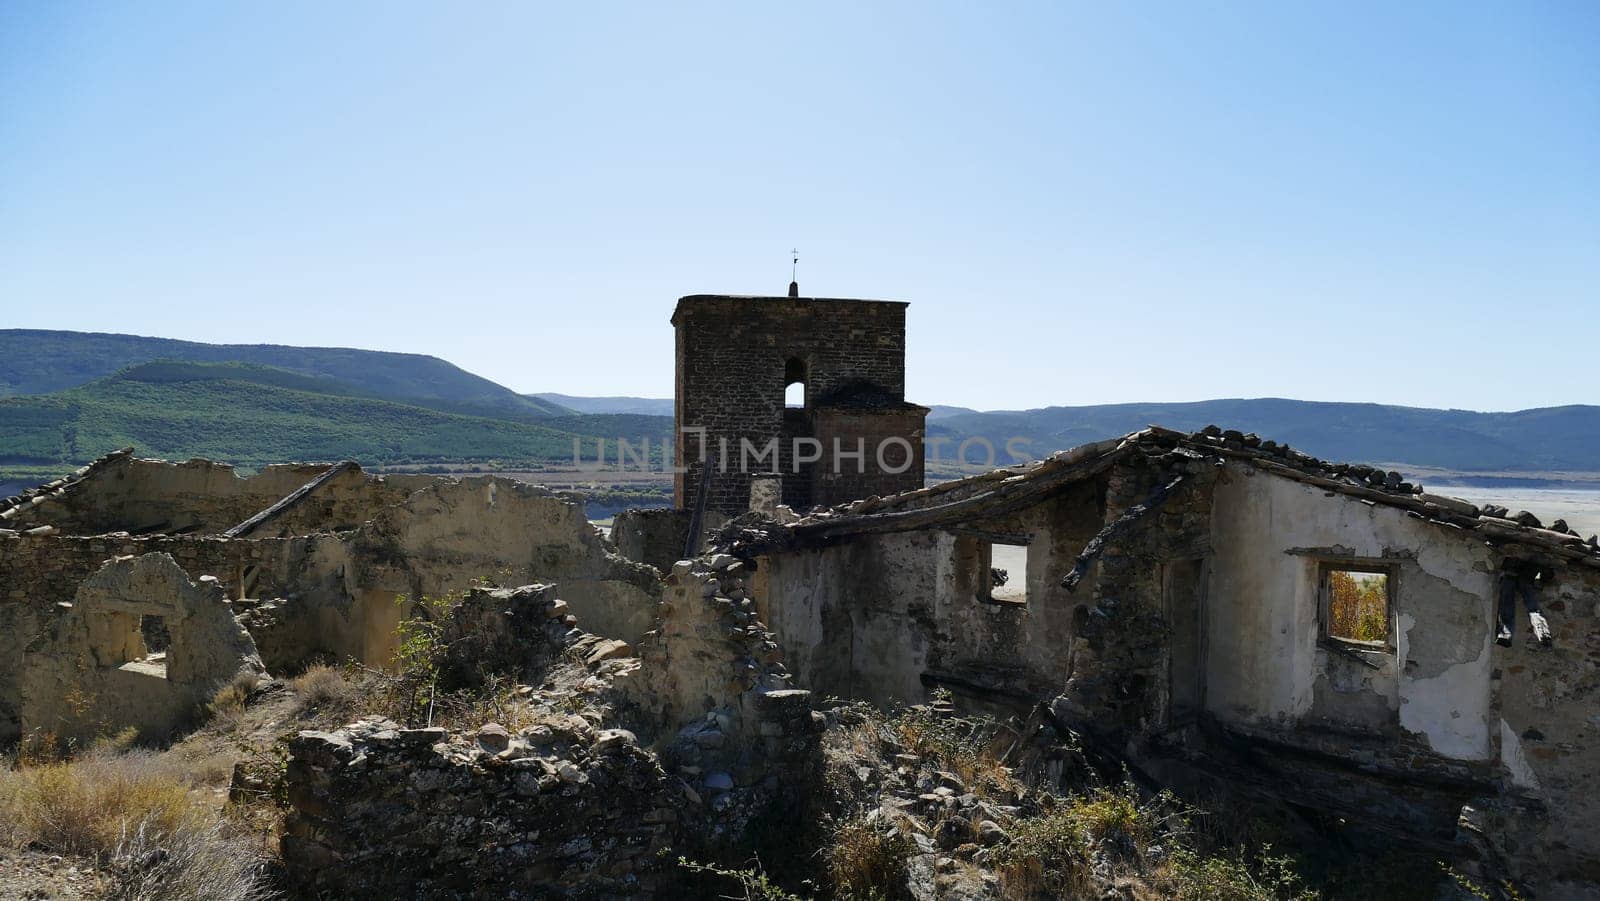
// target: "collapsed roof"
[[1011, 488]]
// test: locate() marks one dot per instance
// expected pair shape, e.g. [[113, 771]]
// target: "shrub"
[[1268, 878], [751, 880], [957, 745], [1051, 852], [227, 705], [135, 816], [321, 686], [866, 860], [420, 657]]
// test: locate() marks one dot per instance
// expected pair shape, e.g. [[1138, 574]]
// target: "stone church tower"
[[847, 431]]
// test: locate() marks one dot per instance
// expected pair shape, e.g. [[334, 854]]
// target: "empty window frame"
[[1356, 601], [154, 631], [1006, 572], [996, 571], [794, 382]]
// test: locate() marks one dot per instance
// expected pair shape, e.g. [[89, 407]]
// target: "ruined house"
[[1191, 601], [317, 561], [1224, 614]]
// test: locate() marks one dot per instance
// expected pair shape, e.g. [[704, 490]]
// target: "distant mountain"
[[40, 362], [639, 406], [251, 415], [74, 395], [940, 411], [1545, 439]]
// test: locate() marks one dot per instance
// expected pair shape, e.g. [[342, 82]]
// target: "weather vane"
[[794, 265]]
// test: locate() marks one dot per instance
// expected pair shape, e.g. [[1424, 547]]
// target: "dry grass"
[[134, 815], [1051, 853], [227, 705], [955, 746], [862, 858], [322, 686]]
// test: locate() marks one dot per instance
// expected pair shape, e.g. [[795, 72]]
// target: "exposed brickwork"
[[735, 356]]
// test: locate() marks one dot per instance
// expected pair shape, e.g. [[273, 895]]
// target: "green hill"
[[36, 361], [253, 415]]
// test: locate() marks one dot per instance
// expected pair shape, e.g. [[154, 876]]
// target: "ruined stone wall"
[[509, 532], [123, 493], [338, 596], [1120, 679], [656, 537], [1550, 739], [733, 354], [86, 674], [885, 617], [347, 593], [571, 805], [39, 572], [387, 812]]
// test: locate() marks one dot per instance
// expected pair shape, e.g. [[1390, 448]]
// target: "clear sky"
[[1084, 202]]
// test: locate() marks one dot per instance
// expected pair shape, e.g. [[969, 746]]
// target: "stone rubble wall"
[[571, 806], [40, 572], [556, 811], [336, 595], [656, 536], [1117, 681], [1549, 705]]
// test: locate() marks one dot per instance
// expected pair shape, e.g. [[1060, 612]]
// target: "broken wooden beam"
[[290, 500]]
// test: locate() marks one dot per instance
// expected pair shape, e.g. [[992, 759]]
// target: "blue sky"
[[1084, 202]]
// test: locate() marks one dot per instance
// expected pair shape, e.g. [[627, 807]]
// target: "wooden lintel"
[[994, 537]]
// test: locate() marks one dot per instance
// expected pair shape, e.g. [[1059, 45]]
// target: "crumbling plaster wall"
[[38, 572], [1265, 663], [885, 616], [83, 673], [511, 532], [335, 594], [124, 493], [344, 592]]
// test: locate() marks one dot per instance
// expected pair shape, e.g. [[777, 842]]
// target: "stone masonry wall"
[[560, 810], [732, 357], [873, 432], [570, 806], [1550, 739], [1120, 648]]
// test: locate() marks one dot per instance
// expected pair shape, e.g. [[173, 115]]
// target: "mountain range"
[[34, 361], [66, 397]]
